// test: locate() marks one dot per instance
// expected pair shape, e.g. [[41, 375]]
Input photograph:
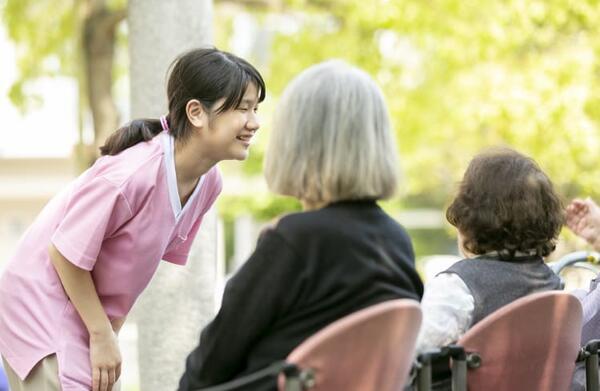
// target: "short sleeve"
[[179, 249], [95, 210]]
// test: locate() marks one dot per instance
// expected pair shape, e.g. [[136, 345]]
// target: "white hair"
[[331, 138]]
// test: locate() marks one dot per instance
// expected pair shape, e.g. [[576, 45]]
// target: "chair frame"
[[461, 360], [589, 355]]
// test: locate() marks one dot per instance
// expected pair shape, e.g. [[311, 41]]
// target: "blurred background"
[[458, 75]]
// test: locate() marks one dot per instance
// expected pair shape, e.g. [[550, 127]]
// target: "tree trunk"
[[179, 300], [99, 31]]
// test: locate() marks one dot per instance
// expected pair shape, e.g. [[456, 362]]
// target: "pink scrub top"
[[118, 220]]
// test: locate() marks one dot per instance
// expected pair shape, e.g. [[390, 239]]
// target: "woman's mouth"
[[245, 139]]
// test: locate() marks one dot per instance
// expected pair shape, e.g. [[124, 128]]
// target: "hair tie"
[[164, 123]]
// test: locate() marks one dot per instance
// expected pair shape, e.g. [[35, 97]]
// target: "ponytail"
[[133, 133]]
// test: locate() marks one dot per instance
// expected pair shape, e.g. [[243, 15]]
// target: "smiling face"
[[228, 135]]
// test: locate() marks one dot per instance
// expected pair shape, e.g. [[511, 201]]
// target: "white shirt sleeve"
[[447, 307]]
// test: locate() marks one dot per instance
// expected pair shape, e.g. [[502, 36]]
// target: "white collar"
[[168, 143]]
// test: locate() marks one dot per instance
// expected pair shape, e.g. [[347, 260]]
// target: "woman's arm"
[[254, 297], [447, 307], [104, 350]]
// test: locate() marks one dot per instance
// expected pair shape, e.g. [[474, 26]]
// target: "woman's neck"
[[189, 168], [189, 165]]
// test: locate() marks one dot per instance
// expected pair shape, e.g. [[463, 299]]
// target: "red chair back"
[[529, 344], [369, 350]]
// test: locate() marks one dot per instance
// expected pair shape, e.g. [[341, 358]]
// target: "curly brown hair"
[[506, 203]]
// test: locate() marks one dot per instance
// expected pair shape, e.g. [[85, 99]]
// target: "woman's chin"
[[242, 155]]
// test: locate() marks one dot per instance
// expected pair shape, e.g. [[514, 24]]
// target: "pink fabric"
[[530, 344], [370, 350], [164, 123], [115, 220]]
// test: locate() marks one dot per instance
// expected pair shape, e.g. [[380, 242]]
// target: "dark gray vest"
[[494, 283]]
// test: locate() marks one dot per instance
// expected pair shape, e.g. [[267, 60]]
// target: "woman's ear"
[[195, 113]]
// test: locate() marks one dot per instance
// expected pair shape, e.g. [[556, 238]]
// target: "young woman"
[[79, 268]]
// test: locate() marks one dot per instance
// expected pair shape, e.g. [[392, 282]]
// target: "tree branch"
[[117, 16]]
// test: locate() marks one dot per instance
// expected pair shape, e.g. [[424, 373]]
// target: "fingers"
[[117, 373], [108, 378], [576, 211], [96, 379], [591, 205], [104, 380], [574, 214], [578, 205], [111, 379]]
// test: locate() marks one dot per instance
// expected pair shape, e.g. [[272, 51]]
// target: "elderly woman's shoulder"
[[298, 222], [339, 221]]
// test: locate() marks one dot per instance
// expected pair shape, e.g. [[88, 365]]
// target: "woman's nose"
[[253, 122]]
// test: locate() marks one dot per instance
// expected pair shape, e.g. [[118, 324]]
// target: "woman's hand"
[[105, 357], [583, 218], [104, 350]]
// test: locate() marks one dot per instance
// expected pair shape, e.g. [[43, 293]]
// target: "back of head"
[[506, 203], [205, 74], [331, 138]]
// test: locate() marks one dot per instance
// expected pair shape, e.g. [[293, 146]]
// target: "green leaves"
[[458, 75], [46, 34], [461, 75]]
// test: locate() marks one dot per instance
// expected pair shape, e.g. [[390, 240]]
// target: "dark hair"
[[506, 203], [206, 74]]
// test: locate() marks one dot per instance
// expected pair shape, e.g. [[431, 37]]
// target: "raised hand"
[[583, 218]]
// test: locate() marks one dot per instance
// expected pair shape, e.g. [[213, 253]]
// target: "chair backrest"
[[529, 344], [369, 350]]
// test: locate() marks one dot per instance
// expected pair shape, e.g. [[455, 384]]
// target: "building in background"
[[26, 185]]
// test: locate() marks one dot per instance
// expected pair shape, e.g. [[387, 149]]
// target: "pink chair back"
[[369, 350], [530, 344]]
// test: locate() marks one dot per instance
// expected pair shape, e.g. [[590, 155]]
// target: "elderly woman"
[[508, 217], [332, 148]]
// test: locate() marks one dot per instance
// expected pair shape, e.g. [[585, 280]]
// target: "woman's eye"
[[242, 108]]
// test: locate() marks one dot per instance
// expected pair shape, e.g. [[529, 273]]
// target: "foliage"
[[45, 32], [462, 75], [262, 206], [459, 75], [48, 38]]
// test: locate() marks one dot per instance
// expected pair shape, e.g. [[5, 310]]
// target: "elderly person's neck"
[[461, 246], [312, 205]]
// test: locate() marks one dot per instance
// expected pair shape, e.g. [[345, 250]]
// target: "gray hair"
[[331, 138]]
